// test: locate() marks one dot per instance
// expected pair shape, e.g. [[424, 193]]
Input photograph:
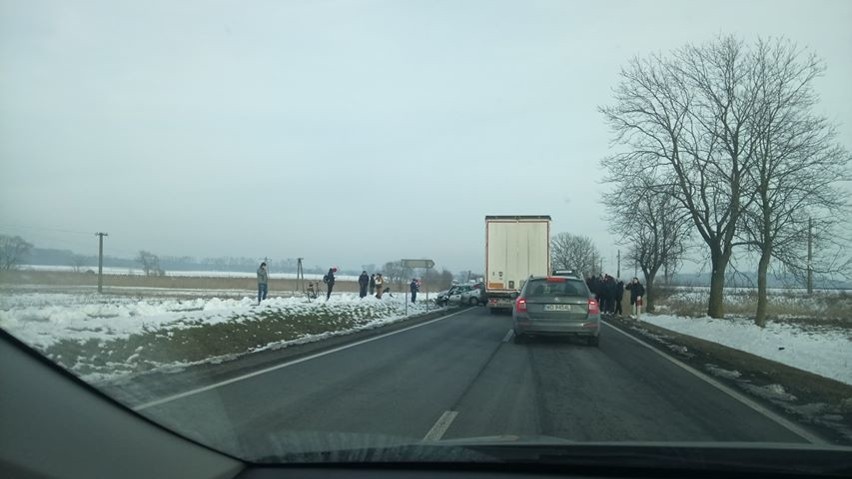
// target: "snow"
[[193, 274], [824, 351], [771, 391], [44, 319], [722, 373]]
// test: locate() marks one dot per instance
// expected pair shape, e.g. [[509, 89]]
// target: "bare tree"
[[150, 263], [684, 119], [13, 250], [395, 273], [77, 261], [437, 281], [652, 224], [798, 164], [568, 251]]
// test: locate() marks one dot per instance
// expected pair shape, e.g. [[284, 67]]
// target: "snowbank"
[[823, 351], [105, 337]]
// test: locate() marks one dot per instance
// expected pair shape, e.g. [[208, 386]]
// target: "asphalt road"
[[463, 377]]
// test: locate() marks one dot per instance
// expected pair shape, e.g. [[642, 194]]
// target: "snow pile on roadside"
[[105, 337], [42, 319], [826, 352]]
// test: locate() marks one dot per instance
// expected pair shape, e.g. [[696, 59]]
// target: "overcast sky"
[[346, 132]]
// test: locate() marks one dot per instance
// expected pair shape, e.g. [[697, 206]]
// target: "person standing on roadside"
[[363, 281], [414, 289], [636, 291], [262, 282], [372, 284], [329, 281], [379, 285], [619, 296]]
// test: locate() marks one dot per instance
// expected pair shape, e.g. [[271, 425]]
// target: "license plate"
[[557, 307]]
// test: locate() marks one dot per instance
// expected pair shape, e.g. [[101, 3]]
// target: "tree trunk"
[[719, 263], [762, 267], [648, 297], [649, 293]]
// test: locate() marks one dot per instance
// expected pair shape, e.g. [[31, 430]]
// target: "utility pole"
[[300, 275], [101, 261], [810, 256], [618, 270]]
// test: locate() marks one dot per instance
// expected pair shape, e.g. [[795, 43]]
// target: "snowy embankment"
[[107, 337], [812, 336]]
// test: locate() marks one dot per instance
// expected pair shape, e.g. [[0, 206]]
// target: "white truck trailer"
[[516, 247]]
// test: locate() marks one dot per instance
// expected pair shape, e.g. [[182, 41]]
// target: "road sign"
[[418, 263]]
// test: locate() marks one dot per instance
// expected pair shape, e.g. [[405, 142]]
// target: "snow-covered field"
[[824, 351], [193, 274], [821, 307], [106, 337]]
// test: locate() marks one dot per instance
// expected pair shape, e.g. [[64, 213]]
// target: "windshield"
[[232, 217], [543, 288]]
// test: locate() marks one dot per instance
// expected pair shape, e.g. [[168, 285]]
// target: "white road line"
[[193, 392], [508, 336], [441, 426], [793, 427]]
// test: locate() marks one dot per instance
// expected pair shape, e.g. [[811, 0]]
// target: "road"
[[463, 377]]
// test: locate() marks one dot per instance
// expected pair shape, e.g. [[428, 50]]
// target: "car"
[[568, 273], [556, 305], [474, 296], [471, 294], [452, 295]]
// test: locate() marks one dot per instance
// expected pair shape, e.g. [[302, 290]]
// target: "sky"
[[344, 132]]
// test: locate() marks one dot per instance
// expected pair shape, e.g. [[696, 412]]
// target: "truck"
[[516, 247]]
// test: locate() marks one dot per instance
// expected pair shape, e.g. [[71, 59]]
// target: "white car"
[[471, 294]]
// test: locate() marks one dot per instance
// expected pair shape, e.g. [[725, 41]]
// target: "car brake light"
[[521, 305], [593, 307], [555, 279]]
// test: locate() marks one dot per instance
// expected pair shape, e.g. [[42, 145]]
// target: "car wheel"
[[518, 338], [473, 302], [594, 341]]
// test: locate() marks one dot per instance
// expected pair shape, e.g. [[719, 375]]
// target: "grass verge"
[[196, 341]]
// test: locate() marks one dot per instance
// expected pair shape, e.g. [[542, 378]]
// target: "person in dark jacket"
[[636, 291], [414, 289], [608, 294], [619, 296], [329, 282], [372, 284], [363, 281]]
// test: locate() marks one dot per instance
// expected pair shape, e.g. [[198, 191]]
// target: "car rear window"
[[540, 288]]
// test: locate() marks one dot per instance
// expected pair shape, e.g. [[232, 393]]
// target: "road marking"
[[508, 336], [441, 426], [210, 387], [793, 427]]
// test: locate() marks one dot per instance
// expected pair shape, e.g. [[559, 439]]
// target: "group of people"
[[375, 284], [609, 292]]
